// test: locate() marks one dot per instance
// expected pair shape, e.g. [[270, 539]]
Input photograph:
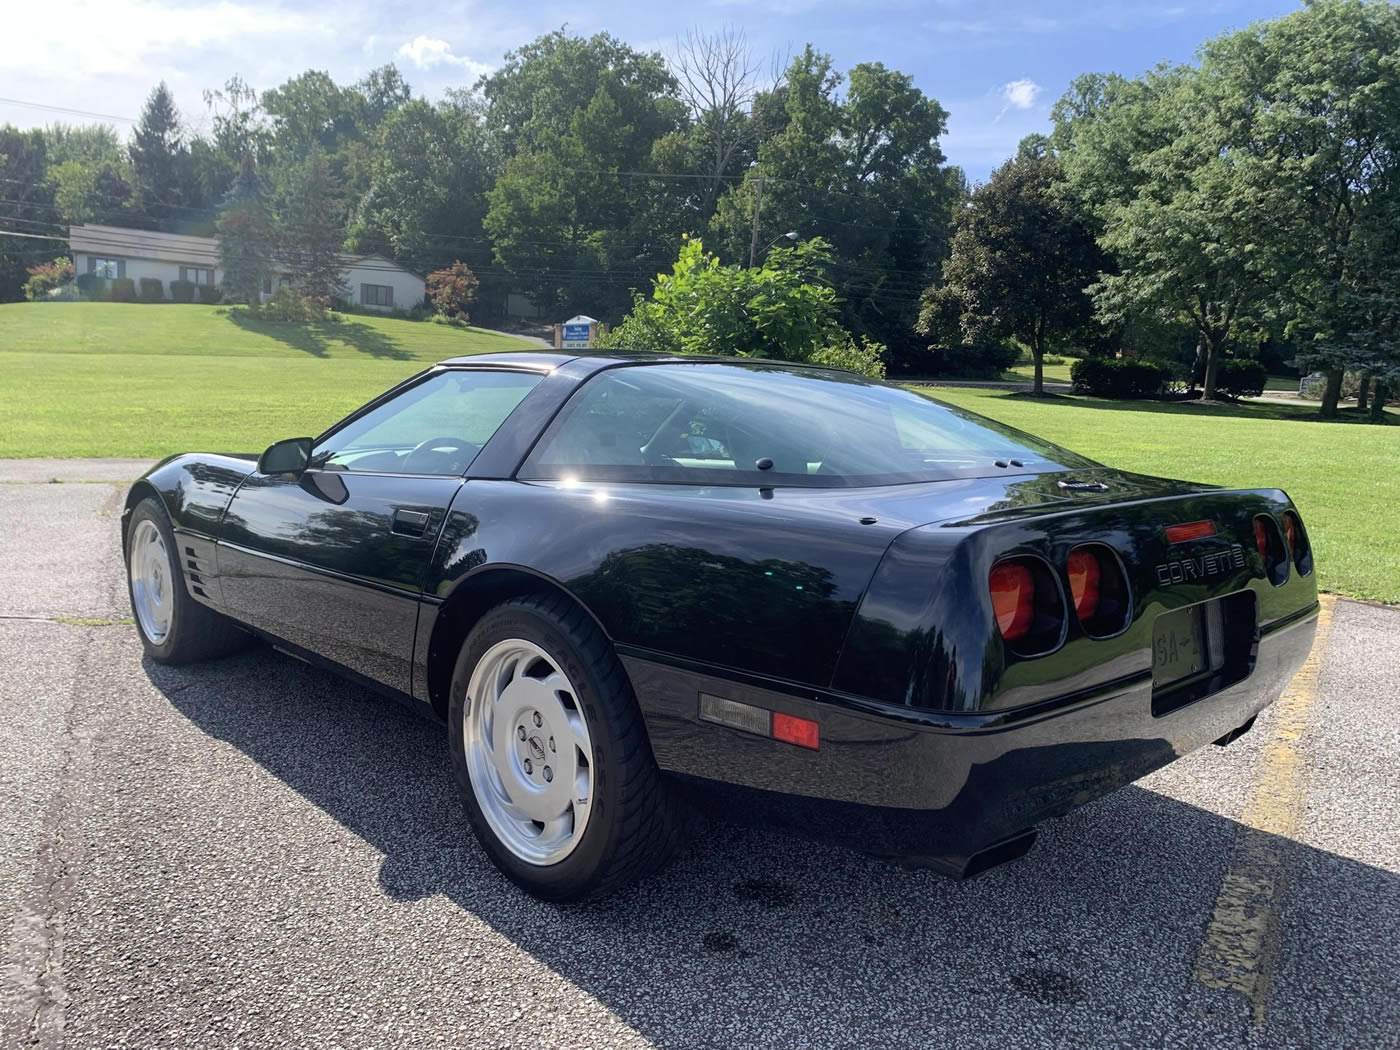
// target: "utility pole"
[[757, 207]]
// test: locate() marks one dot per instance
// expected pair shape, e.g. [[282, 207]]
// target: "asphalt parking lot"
[[251, 853]]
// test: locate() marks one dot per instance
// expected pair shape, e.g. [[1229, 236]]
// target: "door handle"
[[410, 522]]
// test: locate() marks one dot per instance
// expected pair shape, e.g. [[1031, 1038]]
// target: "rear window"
[[737, 424]]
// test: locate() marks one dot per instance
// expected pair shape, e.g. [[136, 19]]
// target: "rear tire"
[[174, 628], [551, 756]]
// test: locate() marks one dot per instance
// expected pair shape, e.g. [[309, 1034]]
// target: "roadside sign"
[[578, 333]]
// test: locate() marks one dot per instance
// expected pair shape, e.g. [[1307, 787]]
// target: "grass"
[[136, 380], [1344, 476], [1024, 371]]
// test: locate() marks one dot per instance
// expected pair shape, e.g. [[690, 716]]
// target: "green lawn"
[[1025, 372], [127, 379], [1345, 477]]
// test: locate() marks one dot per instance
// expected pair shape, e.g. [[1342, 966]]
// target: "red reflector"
[[1013, 598], [1261, 538], [1084, 582], [800, 731], [1191, 530]]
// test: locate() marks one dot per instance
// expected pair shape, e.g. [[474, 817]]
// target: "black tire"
[[637, 823], [196, 631]]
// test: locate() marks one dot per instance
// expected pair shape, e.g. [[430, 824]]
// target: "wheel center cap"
[[536, 747]]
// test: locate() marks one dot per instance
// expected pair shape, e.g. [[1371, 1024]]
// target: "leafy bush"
[[91, 286], [451, 289], [152, 290], [286, 305], [866, 357], [182, 291], [452, 322], [1118, 377], [948, 352], [209, 294], [123, 290], [1240, 377], [45, 277], [1052, 359]]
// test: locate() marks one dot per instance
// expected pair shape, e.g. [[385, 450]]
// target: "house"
[[118, 251]]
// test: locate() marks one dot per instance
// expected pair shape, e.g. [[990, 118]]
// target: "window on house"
[[267, 286], [108, 268], [196, 275], [376, 295]]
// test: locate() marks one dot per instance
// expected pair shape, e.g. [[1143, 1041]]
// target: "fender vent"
[[192, 570]]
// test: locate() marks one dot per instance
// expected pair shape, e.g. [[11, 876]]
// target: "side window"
[[435, 427], [610, 423]]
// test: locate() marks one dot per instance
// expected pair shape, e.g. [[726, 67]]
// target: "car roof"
[[548, 358]]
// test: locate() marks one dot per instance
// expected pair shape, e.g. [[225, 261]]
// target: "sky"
[[997, 66]]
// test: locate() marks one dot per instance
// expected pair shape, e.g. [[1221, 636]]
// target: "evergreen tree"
[[159, 157], [313, 230], [247, 236]]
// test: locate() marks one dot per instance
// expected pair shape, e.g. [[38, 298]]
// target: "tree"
[[313, 231], [25, 205], [864, 171], [88, 172], [1309, 106], [1021, 258], [159, 157], [247, 236], [452, 289], [785, 309]]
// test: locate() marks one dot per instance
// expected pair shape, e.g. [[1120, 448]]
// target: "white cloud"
[[1021, 93], [425, 52]]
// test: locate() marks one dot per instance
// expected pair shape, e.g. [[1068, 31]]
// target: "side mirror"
[[285, 457]]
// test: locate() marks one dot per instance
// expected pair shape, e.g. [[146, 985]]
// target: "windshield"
[[747, 424]]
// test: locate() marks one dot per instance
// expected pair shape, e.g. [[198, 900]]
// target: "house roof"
[[95, 239]]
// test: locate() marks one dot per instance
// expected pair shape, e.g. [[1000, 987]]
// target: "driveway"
[[250, 853]]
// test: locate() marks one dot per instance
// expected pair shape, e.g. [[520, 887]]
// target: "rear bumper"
[[935, 789]]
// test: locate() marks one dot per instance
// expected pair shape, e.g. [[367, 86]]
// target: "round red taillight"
[[1084, 574], [1297, 538], [1261, 538], [1013, 598], [1271, 549]]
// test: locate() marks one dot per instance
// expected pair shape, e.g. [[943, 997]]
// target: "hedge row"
[[123, 290], [1118, 377]]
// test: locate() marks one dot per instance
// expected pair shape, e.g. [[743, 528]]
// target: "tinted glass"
[[771, 425], [435, 427]]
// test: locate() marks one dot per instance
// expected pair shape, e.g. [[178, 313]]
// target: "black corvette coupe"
[[622, 580]]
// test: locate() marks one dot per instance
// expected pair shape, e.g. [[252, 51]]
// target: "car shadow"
[[314, 337], [1093, 934]]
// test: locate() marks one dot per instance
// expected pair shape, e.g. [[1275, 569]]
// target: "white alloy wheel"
[[152, 581], [528, 752]]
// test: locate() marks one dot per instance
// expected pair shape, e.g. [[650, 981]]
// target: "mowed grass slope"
[[127, 379], [1344, 477]]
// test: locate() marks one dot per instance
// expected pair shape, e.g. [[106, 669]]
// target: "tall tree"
[[159, 157], [247, 236], [1021, 258], [88, 172], [863, 170], [26, 208], [313, 230]]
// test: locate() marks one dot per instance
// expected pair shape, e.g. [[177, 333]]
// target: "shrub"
[[152, 290], [182, 291], [209, 294], [452, 322], [123, 290], [1118, 377], [91, 286], [286, 305], [1240, 377], [1051, 359], [451, 289], [866, 357], [45, 277]]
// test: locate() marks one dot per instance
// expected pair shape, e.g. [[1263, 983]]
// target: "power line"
[[65, 109]]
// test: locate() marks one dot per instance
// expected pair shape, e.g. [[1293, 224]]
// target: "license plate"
[[1181, 643]]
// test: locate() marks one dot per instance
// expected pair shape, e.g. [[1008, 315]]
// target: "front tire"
[[174, 628], [551, 757]]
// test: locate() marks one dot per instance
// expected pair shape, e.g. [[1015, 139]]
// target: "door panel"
[[333, 562]]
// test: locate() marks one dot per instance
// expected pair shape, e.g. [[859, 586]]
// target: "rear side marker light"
[[776, 725], [1191, 530], [800, 731]]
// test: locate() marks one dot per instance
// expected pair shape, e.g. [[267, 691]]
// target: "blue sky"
[[996, 66]]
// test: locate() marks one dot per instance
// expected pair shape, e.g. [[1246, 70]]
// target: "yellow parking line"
[[1241, 940]]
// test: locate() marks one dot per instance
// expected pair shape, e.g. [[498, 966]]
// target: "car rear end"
[[1006, 668]]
